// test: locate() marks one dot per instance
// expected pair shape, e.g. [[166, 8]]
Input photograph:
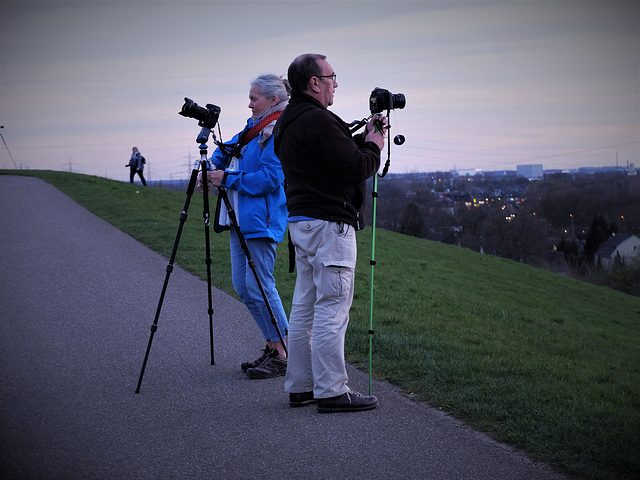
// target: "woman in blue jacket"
[[254, 181]]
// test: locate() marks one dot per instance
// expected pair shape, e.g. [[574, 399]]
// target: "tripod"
[[354, 127], [201, 165]]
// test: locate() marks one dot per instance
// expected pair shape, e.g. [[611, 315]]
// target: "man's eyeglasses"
[[332, 76]]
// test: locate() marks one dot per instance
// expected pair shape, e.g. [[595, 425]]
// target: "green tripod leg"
[[374, 194]]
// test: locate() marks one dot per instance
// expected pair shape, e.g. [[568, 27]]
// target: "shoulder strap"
[[253, 132]]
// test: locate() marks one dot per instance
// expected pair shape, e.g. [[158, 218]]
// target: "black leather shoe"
[[301, 399], [351, 401]]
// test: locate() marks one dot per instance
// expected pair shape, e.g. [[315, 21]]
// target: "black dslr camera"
[[207, 117], [382, 99]]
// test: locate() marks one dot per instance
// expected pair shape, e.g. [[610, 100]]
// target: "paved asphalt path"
[[77, 300]]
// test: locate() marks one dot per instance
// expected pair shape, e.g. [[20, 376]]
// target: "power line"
[[5, 144]]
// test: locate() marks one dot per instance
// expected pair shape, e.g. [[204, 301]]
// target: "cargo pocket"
[[339, 277]]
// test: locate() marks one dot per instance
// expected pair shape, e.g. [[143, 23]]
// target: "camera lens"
[[398, 101], [192, 110]]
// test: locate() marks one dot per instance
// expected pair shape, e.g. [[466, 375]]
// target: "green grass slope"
[[542, 362]]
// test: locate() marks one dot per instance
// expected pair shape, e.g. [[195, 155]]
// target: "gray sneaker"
[[272, 366]]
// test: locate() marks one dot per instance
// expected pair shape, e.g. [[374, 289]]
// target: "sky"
[[488, 85]]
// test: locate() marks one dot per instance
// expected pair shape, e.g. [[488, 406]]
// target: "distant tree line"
[[557, 223]]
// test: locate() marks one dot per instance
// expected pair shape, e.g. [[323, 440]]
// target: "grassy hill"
[[547, 364]]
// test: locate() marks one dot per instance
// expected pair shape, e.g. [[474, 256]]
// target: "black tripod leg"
[[183, 218], [207, 223], [234, 221]]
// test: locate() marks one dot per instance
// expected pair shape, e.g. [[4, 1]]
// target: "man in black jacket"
[[326, 170]]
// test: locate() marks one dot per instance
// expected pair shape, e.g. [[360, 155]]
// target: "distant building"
[[631, 169], [531, 172], [619, 248]]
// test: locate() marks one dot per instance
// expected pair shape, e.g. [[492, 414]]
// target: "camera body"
[[381, 100], [207, 117]]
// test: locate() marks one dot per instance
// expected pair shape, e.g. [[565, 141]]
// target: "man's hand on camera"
[[376, 129]]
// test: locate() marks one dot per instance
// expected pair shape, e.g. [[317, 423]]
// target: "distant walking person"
[[136, 166]]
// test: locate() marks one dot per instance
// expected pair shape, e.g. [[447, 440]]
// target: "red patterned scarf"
[[254, 131]]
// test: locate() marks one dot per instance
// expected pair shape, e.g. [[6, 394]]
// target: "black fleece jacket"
[[325, 168]]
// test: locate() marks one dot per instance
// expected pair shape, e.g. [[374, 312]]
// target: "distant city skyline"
[[489, 85]]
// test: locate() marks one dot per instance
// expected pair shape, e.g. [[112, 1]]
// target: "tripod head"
[[203, 137]]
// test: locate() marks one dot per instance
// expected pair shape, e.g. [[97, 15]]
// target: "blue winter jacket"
[[259, 181]]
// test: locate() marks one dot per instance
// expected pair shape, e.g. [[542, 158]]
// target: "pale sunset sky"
[[489, 84]]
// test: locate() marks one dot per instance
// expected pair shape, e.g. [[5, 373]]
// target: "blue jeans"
[[325, 260], [263, 253]]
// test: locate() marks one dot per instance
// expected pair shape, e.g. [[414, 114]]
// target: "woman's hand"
[[214, 176]]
